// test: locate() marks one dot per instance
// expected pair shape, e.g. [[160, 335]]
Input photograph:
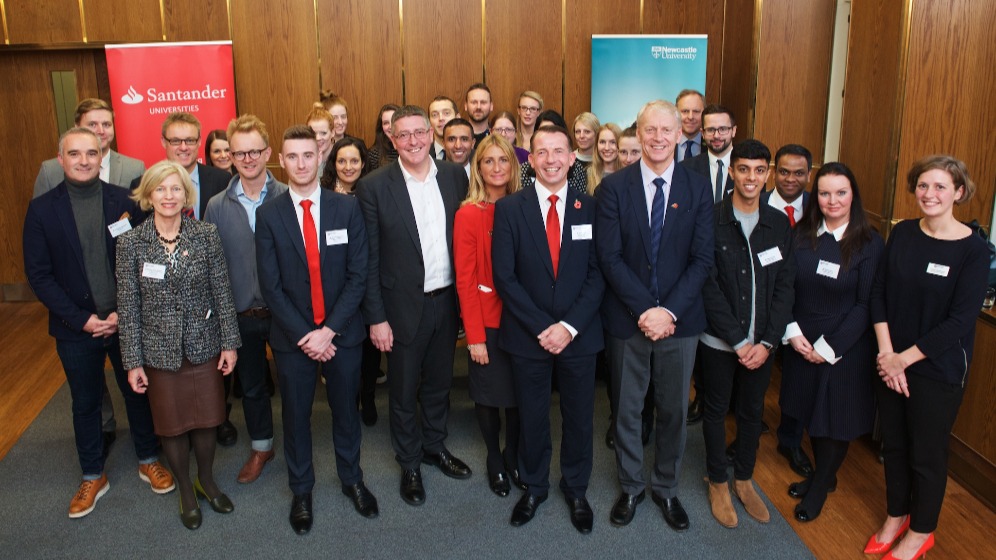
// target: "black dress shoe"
[[798, 490], [301, 513], [625, 508], [227, 434], [610, 438], [448, 464], [525, 509], [368, 410], [109, 438], [581, 515], [513, 474], [804, 515], [673, 512], [412, 491], [695, 409], [797, 459], [363, 501], [499, 484]]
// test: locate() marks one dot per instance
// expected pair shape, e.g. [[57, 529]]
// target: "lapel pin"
[[577, 204], [125, 216], [185, 253], [675, 205]]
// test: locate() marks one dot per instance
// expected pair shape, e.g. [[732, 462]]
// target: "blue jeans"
[[83, 362]]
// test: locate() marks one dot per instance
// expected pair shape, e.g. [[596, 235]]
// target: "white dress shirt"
[[543, 194], [776, 201], [315, 197], [430, 218]]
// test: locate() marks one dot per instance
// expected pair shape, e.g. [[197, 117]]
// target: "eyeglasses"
[[251, 154], [503, 130], [191, 142], [404, 135], [526, 109], [717, 129]]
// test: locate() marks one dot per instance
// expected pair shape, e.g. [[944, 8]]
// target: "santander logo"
[[132, 97]]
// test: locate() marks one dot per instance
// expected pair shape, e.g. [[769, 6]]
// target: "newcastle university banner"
[[150, 81], [629, 70]]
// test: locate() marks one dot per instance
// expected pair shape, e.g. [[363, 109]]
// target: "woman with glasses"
[[503, 124], [529, 109]]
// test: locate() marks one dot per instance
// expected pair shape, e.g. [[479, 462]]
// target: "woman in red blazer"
[[494, 173]]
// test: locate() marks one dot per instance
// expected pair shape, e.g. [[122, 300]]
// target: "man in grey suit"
[[116, 169], [410, 302]]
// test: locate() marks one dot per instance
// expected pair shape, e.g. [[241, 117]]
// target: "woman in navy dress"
[[828, 373]]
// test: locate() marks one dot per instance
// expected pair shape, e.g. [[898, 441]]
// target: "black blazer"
[[211, 179], [283, 270], [700, 165], [396, 268]]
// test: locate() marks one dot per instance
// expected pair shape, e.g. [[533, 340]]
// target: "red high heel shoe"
[[875, 547], [920, 553]]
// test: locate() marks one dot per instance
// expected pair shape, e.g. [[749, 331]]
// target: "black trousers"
[[720, 370], [252, 371], [915, 438]]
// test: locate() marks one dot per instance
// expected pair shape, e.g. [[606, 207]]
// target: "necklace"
[[170, 241]]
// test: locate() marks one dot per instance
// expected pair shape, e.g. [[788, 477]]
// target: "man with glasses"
[[441, 111], [410, 302], [478, 106], [233, 211]]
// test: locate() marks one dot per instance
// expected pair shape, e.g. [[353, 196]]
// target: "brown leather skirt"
[[187, 399]]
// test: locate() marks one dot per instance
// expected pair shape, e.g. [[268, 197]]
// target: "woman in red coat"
[[494, 173]]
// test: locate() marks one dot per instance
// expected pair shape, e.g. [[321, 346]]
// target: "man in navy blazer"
[[315, 328], [69, 261], [546, 272], [653, 309]]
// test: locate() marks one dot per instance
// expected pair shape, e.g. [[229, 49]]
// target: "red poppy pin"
[[675, 205], [577, 204]]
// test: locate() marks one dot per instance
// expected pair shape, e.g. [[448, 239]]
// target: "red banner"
[[150, 81]]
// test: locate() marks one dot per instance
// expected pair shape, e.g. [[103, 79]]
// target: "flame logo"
[[132, 97]]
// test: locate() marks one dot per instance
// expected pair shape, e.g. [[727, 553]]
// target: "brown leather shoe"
[[744, 489], [86, 497], [157, 476], [722, 504], [254, 466]]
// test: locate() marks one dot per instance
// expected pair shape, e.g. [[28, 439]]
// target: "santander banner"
[[150, 81]]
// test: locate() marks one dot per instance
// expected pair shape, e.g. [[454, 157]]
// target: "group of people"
[[551, 245]]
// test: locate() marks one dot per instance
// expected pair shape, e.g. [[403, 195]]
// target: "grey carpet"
[[461, 518]]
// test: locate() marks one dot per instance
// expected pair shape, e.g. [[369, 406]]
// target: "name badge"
[[938, 269], [119, 227], [828, 269], [581, 232], [484, 288], [772, 255], [336, 237], [153, 270]]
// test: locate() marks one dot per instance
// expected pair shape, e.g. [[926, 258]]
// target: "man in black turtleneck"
[[69, 261]]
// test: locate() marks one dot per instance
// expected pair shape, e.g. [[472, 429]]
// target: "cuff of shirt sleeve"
[[740, 344], [570, 329], [823, 349], [673, 316], [791, 331]]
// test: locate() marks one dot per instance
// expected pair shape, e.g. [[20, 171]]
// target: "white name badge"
[[336, 237], [938, 269], [119, 227], [581, 232], [770, 256], [153, 270], [828, 269], [484, 288]]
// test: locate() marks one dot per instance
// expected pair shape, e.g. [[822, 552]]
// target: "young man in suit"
[[655, 246], [69, 261], [441, 111], [311, 251], [546, 272], [458, 143], [116, 169], [410, 303]]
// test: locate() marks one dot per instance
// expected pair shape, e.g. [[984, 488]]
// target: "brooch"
[[675, 205], [577, 204]]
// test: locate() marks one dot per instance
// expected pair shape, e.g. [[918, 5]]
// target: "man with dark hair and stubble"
[[458, 141], [477, 107]]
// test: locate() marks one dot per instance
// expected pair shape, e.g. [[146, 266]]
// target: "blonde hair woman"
[[606, 158]]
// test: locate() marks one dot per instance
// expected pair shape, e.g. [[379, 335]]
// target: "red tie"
[[314, 264], [790, 212], [553, 232]]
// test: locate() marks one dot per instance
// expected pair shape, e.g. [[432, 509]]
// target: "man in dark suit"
[[181, 138], [551, 288], [69, 261], [116, 169], [441, 111], [311, 252], [655, 246], [690, 103], [410, 302]]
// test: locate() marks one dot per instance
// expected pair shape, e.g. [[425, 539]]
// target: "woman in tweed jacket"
[[178, 328]]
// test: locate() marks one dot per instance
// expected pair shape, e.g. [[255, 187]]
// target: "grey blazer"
[[188, 313], [123, 171]]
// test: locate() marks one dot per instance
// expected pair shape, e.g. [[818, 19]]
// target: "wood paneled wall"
[[692, 17], [739, 77]]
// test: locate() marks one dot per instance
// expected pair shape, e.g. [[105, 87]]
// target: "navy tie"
[[688, 150], [657, 209]]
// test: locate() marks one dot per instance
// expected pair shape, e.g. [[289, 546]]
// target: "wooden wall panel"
[[976, 424], [276, 62], [30, 135], [54, 21], [871, 89], [196, 20], [793, 75], [123, 21], [739, 73], [360, 51], [949, 97], [584, 19], [691, 17], [523, 52], [443, 51]]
